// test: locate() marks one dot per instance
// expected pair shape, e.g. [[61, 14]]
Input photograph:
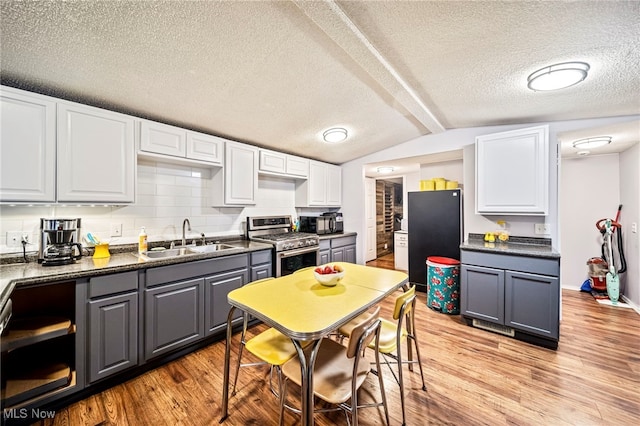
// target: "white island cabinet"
[[96, 155], [28, 149], [512, 172]]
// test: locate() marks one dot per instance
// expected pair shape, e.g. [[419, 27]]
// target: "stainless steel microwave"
[[315, 224], [329, 224]]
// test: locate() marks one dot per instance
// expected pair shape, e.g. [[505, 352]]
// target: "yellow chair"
[[270, 346], [391, 336], [339, 371]]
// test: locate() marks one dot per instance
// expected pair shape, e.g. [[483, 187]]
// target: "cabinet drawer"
[[259, 257], [183, 271], [113, 284], [343, 241], [534, 265]]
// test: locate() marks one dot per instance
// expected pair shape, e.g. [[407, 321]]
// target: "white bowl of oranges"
[[329, 275]]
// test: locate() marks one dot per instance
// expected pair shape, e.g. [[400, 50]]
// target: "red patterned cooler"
[[443, 284]]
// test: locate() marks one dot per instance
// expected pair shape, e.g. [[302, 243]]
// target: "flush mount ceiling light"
[[558, 76], [335, 134], [385, 169], [590, 143]]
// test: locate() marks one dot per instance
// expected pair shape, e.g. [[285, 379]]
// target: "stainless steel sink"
[[163, 254], [185, 251], [211, 248]]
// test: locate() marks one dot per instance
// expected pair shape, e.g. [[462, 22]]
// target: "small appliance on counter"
[[59, 241], [336, 226], [328, 223]]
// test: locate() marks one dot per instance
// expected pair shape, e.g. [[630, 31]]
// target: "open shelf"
[[38, 346], [30, 330], [27, 383]]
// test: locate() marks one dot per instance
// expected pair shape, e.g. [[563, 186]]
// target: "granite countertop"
[[331, 236], [17, 274], [517, 246]]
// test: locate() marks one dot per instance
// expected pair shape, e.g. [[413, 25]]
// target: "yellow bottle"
[[142, 241]]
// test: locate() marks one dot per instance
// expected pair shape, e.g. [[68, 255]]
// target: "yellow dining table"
[[303, 309]]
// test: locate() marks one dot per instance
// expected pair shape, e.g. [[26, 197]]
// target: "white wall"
[[450, 170], [166, 195], [630, 200], [353, 174], [589, 191]]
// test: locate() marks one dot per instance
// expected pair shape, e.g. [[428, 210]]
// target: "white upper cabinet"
[[204, 147], [179, 144], [236, 184], [278, 163], [512, 172], [334, 185], [323, 188], [161, 138], [96, 155], [28, 147]]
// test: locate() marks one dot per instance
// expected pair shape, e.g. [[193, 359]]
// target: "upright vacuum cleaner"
[[607, 228]]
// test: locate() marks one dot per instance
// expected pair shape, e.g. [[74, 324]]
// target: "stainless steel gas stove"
[[293, 250]]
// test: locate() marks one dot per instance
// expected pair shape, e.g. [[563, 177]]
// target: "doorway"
[[388, 219]]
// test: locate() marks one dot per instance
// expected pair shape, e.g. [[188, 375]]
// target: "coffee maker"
[[59, 241]]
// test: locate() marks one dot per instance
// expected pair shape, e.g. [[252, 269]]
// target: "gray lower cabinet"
[[325, 251], [217, 288], [112, 324], [261, 265], [113, 341], [342, 249], [518, 292], [174, 316]]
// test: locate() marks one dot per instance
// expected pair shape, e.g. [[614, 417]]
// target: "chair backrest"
[[363, 334], [405, 301]]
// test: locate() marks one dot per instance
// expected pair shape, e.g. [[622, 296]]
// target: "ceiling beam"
[[332, 20]]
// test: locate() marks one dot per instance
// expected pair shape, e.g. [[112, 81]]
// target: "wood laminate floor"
[[474, 377]]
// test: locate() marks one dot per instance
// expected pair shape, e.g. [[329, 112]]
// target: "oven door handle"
[[296, 252]]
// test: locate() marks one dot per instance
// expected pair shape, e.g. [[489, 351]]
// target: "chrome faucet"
[[185, 223]]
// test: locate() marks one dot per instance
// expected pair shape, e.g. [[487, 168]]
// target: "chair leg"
[[283, 395], [401, 383], [413, 336], [415, 342], [382, 392], [242, 342]]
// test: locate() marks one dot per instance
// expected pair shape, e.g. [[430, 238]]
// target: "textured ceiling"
[[277, 74]]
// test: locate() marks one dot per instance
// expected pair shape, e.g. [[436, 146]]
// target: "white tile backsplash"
[[166, 194]]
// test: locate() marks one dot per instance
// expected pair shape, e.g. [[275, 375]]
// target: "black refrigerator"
[[434, 228]]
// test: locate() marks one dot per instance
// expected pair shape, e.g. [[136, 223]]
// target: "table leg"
[[227, 355], [307, 361]]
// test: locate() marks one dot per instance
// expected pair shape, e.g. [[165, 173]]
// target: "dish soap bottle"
[[142, 241]]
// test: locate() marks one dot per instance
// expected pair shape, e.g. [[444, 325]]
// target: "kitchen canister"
[[102, 251], [440, 184], [443, 284], [427, 185], [451, 184]]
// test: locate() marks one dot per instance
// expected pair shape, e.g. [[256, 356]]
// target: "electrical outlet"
[[116, 230], [542, 229], [15, 238], [634, 227]]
